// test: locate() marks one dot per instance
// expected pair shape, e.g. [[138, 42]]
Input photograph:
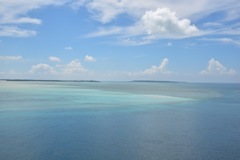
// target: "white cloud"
[[71, 70], [216, 68], [107, 10], [10, 58], [134, 41], [54, 59], [42, 69], [89, 58], [12, 31], [164, 23], [22, 20], [156, 19], [153, 25], [229, 40], [223, 40], [212, 24], [106, 32], [158, 69], [153, 73], [230, 31], [74, 67], [68, 48], [77, 3], [15, 12]]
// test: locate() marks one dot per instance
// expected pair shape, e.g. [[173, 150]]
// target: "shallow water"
[[119, 120]]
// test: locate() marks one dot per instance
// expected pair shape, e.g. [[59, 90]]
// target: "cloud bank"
[[72, 70]]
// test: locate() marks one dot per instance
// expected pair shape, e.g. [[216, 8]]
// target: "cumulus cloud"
[[74, 67], [10, 58], [89, 58], [152, 73], [54, 59], [42, 69], [158, 69], [216, 68], [164, 22]]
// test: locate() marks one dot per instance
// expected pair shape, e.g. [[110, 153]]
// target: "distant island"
[[40, 80], [36, 80]]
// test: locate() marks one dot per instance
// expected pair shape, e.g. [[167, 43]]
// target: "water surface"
[[119, 120]]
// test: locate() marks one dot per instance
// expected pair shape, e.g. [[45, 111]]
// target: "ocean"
[[44, 120]]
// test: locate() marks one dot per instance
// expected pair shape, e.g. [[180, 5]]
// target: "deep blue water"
[[119, 121]]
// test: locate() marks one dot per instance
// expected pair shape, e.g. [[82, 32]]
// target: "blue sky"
[[120, 40]]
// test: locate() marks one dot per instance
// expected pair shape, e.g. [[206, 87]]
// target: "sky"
[[120, 40]]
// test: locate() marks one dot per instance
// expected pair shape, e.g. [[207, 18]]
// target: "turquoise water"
[[119, 120]]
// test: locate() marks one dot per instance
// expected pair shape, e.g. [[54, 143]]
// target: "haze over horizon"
[[164, 40]]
